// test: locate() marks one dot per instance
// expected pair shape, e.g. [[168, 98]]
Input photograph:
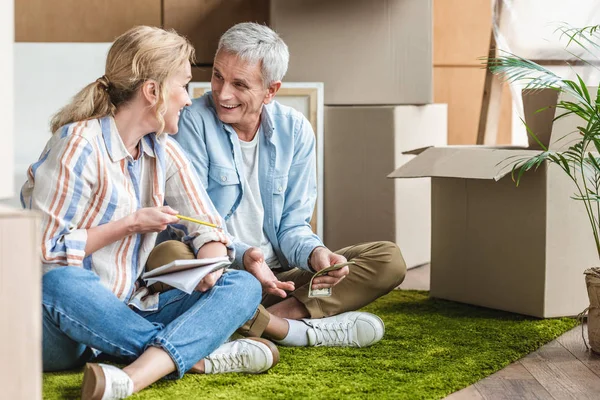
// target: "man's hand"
[[322, 257], [255, 264]]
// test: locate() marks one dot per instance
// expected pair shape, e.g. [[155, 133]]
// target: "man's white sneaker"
[[252, 355], [350, 329], [105, 382]]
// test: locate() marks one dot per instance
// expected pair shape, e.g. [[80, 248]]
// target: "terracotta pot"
[[592, 281]]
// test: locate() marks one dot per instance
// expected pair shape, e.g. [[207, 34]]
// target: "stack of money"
[[324, 292]]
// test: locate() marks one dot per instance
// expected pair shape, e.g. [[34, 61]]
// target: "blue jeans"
[[79, 314]]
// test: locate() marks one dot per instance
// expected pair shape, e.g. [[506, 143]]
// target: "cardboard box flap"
[[416, 152], [462, 162], [539, 108], [540, 122]]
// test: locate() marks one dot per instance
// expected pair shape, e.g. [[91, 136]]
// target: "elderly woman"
[[100, 184]]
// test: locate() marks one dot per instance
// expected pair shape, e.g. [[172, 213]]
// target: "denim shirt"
[[287, 174]]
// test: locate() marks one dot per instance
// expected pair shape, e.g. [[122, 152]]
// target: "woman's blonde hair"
[[140, 54]]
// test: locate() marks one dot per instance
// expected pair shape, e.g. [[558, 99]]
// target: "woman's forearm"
[[103, 235], [212, 249]]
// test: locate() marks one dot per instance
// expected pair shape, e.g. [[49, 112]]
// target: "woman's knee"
[[247, 287], [64, 282]]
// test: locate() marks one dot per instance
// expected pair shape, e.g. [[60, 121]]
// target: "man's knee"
[[392, 268], [164, 253], [167, 252]]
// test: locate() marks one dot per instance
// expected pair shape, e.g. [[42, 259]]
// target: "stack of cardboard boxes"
[[375, 59], [202, 22]]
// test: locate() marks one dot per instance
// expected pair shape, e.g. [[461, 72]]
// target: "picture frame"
[[307, 98]]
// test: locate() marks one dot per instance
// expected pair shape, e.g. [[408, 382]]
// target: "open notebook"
[[185, 275]]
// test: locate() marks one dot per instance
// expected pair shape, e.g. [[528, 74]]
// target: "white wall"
[[6, 97], [46, 75]]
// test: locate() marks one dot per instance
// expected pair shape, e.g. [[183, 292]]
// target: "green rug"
[[431, 348]]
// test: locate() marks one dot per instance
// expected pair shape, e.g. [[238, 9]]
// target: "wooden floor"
[[562, 369]]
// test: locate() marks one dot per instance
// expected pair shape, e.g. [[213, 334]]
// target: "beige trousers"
[[379, 269]]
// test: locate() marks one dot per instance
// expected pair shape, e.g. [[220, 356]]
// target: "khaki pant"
[[379, 269]]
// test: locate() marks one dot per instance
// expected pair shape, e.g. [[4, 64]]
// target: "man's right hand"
[[255, 264]]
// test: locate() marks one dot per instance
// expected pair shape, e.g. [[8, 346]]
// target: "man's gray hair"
[[256, 43]]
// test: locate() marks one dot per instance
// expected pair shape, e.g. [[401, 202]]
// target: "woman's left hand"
[[209, 281]]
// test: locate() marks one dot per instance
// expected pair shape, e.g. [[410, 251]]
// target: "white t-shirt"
[[246, 223]]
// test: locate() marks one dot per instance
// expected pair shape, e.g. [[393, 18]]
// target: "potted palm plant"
[[580, 159]]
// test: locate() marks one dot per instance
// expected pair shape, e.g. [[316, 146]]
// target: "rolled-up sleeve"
[[59, 185], [185, 193]]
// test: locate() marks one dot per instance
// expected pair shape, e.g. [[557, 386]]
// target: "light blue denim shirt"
[[287, 173]]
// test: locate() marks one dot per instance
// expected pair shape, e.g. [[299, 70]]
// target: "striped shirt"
[[85, 177]]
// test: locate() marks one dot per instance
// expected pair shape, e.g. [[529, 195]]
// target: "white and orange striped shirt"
[[85, 177]]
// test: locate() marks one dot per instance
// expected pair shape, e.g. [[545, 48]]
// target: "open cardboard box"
[[521, 249]]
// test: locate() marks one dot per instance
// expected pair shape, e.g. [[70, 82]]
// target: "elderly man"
[[256, 159]]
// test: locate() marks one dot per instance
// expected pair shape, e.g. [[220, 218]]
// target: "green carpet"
[[431, 348]]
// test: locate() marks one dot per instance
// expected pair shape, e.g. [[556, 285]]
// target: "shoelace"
[[229, 362], [334, 333]]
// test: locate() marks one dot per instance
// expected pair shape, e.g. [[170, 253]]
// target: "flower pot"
[[592, 282]]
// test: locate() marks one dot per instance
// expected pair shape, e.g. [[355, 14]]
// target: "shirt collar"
[[114, 144], [148, 143]]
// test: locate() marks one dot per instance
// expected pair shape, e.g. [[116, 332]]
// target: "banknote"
[[324, 292]]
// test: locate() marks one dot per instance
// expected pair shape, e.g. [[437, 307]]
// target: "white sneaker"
[[252, 355], [350, 329], [105, 382]]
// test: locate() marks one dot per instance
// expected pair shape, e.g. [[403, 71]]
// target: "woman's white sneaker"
[[105, 382], [350, 329], [251, 355]]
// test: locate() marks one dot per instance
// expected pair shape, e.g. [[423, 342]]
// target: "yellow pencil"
[[197, 221]]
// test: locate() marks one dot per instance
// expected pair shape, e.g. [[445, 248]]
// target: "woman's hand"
[[209, 281], [210, 250], [144, 220], [151, 219]]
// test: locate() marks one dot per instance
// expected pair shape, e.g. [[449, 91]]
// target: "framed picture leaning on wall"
[[306, 97]]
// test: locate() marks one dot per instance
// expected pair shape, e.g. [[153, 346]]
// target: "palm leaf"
[[583, 37]]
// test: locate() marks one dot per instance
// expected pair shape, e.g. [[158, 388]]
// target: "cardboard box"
[[362, 144], [20, 304], [201, 74], [462, 89], [81, 21], [365, 51], [461, 38], [7, 101], [203, 22], [521, 249]]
